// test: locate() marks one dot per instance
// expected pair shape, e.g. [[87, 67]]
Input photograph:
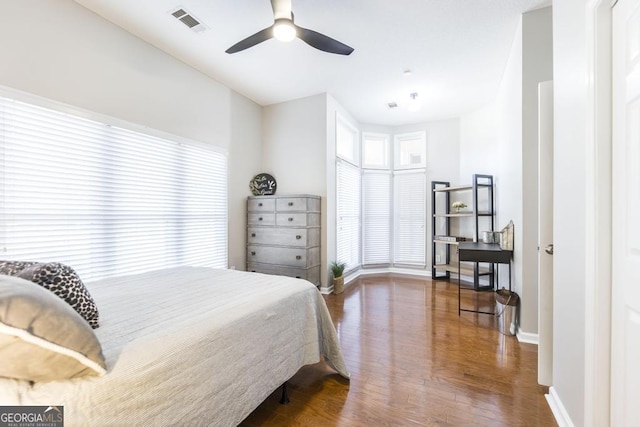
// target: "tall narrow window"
[[348, 195], [410, 218], [348, 215], [104, 199], [376, 217]]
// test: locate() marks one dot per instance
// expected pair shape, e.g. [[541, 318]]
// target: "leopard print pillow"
[[12, 268], [60, 279]]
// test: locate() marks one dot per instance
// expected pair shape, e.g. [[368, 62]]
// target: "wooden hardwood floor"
[[414, 362]]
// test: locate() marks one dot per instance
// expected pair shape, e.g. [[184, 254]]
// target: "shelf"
[[476, 217], [446, 242], [459, 188], [456, 188], [460, 214], [464, 268]]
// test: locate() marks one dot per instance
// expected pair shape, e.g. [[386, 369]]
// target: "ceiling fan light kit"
[[284, 29]]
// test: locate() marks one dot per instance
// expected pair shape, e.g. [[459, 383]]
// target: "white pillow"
[[41, 337]]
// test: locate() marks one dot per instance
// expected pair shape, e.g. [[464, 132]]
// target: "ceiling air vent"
[[188, 19]]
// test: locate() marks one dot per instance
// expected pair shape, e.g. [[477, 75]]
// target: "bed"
[[191, 346]]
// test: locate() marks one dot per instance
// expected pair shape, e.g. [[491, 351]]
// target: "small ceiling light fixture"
[[284, 30], [392, 105], [407, 72], [414, 103]]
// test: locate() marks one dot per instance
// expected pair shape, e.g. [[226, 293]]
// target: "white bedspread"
[[191, 346]]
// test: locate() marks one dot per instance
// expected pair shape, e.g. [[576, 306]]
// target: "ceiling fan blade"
[[281, 9], [253, 40], [322, 42]]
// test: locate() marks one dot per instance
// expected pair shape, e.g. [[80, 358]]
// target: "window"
[[107, 200], [376, 217], [410, 150], [347, 141], [410, 217], [375, 149], [348, 214], [348, 195]]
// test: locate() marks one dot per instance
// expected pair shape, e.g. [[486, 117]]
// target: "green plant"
[[337, 268]]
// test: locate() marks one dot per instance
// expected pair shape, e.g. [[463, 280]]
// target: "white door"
[[545, 233], [625, 328]]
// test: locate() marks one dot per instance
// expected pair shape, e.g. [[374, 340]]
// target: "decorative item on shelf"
[[458, 205], [263, 184], [506, 240], [337, 269]]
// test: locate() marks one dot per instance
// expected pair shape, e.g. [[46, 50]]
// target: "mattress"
[[191, 346]]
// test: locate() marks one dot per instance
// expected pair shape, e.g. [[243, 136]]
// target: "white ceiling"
[[456, 50]]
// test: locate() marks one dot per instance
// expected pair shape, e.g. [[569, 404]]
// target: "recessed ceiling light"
[[407, 72], [392, 105]]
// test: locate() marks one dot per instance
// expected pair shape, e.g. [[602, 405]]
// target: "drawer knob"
[[253, 234], [290, 203], [290, 219], [253, 253], [260, 219], [298, 257], [298, 237], [260, 204]]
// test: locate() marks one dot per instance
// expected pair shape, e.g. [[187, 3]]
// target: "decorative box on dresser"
[[283, 236]]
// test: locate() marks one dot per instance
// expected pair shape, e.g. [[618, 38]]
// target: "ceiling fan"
[[284, 29]]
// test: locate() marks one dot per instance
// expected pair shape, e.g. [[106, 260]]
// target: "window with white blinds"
[[348, 214], [410, 191], [107, 200], [376, 217]]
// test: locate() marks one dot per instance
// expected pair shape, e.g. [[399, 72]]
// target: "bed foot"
[[285, 396]]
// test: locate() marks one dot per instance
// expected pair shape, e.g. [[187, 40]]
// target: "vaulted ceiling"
[[455, 50]]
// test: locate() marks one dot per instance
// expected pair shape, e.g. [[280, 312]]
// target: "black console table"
[[482, 252]]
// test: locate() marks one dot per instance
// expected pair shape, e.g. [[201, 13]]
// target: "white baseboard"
[[559, 412], [528, 337]]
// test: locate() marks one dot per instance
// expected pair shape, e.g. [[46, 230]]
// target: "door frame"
[[598, 215]]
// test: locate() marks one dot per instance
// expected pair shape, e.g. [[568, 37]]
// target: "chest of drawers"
[[283, 236]]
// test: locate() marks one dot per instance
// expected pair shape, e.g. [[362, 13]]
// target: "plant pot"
[[338, 285]]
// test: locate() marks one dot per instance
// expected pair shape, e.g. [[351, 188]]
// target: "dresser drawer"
[[311, 274], [299, 237], [291, 219], [261, 205], [286, 204], [261, 218], [291, 257]]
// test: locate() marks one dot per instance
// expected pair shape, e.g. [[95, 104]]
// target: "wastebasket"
[[506, 308]]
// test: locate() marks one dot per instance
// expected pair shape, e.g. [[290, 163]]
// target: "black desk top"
[[483, 252]]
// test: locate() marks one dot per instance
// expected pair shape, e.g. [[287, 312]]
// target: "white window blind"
[[376, 217], [106, 200], [410, 217], [348, 214]]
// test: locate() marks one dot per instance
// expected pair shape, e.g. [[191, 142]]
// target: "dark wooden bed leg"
[[285, 396]]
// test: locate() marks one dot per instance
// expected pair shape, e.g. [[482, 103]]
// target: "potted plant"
[[458, 205], [337, 269]]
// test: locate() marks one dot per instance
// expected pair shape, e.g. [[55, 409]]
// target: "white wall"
[[491, 143], [502, 139], [59, 50], [294, 152], [245, 158], [570, 65]]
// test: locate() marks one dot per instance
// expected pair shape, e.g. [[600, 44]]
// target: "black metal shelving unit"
[[480, 184]]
